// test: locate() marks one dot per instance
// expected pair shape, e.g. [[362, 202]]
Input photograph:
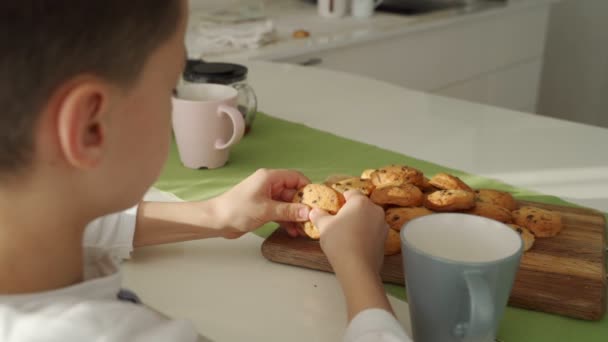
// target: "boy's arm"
[[262, 197], [369, 311], [166, 222], [353, 241], [152, 223]]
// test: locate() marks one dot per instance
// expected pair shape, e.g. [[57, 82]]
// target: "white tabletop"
[[231, 293]]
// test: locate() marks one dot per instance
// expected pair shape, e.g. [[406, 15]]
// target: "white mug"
[[206, 124], [364, 8], [332, 8]]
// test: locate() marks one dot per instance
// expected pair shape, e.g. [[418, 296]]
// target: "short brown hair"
[[44, 43]]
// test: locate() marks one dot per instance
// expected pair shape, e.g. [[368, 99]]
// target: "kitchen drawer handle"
[[311, 61]]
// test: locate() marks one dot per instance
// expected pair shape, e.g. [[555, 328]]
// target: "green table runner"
[[275, 143]]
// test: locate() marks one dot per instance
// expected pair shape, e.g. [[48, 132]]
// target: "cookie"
[[427, 187], [318, 196], [526, 236], [541, 222], [311, 230], [333, 179], [397, 217], [299, 34], [404, 195], [499, 198], [364, 186], [367, 174], [392, 244], [397, 174], [491, 211], [450, 200], [445, 181]]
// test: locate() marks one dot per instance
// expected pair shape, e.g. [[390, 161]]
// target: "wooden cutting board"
[[563, 275]]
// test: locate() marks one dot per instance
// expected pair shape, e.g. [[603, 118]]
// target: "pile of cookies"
[[405, 193]]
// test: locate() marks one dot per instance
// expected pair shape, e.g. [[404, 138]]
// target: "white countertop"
[[232, 293], [291, 15]]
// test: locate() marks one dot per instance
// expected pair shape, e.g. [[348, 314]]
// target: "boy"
[[84, 131]]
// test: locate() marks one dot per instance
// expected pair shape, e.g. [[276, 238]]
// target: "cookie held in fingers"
[[525, 234], [397, 217], [491, 211], [446, 181], [499, 198], [404, 195], [318, 196], [392, 244], [450, 200], [541, 222], [364, 186], [310, 230], [397, 174]]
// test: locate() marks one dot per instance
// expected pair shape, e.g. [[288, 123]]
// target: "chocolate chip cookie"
[[491, 211], [364, 186], [450, 200], [404, 195], [541, 222], [499, 198], [318, 196], [525, 234], [397, 174], [446, 181], [397, 217]]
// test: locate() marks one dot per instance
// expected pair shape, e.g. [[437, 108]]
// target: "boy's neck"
[[40, 241]]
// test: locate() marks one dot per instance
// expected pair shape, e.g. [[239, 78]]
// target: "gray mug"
[[459, 273]]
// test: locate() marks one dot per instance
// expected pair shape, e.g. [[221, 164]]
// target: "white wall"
[[574, 83]]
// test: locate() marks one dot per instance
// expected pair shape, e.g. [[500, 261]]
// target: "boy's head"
[[85, 92]]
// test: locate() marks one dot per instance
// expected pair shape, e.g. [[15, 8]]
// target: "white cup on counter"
[[206, 123], [332, 8], [364, 8]]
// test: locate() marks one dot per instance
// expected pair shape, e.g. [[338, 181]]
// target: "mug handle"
[[378, 3], [238, 125], [481, 315]]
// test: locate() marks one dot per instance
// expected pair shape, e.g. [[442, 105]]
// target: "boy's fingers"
[[318, 216], [351, 193], [289, 212], [292, 231], [291, 228], [287, 195], [285, 179]]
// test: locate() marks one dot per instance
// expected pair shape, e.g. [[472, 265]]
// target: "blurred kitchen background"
[[548, 57]]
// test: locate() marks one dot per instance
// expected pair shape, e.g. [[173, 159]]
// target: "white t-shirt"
[[91, 310]]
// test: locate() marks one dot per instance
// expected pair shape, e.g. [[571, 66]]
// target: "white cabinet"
[[514, 87], [493, 58], [574, 83]]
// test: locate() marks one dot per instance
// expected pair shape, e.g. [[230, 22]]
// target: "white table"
[[232, 293]]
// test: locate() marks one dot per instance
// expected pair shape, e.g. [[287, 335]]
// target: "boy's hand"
[[355, 235], [262, 197], [353, 241]]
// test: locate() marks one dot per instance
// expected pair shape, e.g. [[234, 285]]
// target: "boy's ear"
[[81, 123]]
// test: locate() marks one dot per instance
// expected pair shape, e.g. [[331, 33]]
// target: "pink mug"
[[206, 124]]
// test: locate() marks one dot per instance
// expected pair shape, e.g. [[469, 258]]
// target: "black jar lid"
[[220, 73]]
